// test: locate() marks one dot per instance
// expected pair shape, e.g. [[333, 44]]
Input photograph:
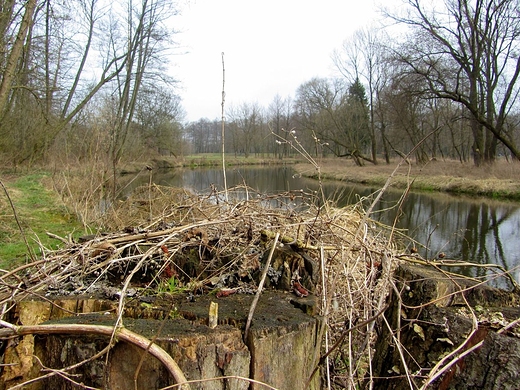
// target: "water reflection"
[[476, 230], [264, 180], [463, 228]]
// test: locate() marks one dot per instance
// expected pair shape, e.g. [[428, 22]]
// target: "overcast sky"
[[270, 47]]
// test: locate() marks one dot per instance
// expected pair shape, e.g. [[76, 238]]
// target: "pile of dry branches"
[[200, 244]]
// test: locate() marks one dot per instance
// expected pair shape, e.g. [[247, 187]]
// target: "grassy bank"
[[38, 209], [215, 159], [500, 180]]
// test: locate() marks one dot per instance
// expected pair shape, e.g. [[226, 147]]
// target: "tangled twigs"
[[201, 247], [227, 377], [339, 341], [60, 372], [458, 264], [121, 333]]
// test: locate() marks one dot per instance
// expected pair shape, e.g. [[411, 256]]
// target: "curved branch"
[[121, 333]]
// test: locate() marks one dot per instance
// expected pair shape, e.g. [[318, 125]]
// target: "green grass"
[[39, 210]]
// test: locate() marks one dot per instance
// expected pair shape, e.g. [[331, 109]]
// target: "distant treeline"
[[86, 81]]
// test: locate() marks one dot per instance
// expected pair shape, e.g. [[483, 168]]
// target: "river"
[[471, 229]]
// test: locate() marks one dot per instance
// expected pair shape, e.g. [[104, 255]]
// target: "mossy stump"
[[278, 351]]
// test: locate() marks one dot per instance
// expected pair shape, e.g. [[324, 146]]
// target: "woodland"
[[85, 81]]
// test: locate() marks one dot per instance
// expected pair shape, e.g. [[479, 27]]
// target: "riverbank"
[[499, 181], [207, 160], [41, 208]]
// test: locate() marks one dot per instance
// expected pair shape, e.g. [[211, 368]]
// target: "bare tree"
[[136, 43], [247, 124], [204, 136], [279, 117], [71, 52], [410, 116], [468, 52], [157, 121], [335, 116], [315, 112], [363, 57]]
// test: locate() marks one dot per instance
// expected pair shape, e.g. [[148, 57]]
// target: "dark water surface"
[[471, 229]]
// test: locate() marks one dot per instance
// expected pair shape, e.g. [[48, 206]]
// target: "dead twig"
[[59, 372], [260, 286], [219, 378], [339, 341]]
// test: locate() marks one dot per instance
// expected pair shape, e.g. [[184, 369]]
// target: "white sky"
[[270, 47]]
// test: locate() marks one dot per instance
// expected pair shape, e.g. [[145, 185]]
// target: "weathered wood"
[[283, 357], [431, 318], [119, 333], [277, 351]]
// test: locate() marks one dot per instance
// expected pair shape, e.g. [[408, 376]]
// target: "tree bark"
[[446, 348], [119, 333], [14, 56]]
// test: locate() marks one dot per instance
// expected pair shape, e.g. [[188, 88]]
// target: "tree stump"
[[278, 350], [431, 317]]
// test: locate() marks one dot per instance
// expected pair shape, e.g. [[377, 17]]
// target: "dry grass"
[[500, 180]]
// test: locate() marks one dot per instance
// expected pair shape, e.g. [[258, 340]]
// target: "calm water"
[[471, 229]]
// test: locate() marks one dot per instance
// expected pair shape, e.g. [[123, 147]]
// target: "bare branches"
[[223, 129], [466, 55], [237, 232]]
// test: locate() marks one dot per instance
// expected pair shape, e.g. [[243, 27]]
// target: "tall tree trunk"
[[14, 56], [476, 128]]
